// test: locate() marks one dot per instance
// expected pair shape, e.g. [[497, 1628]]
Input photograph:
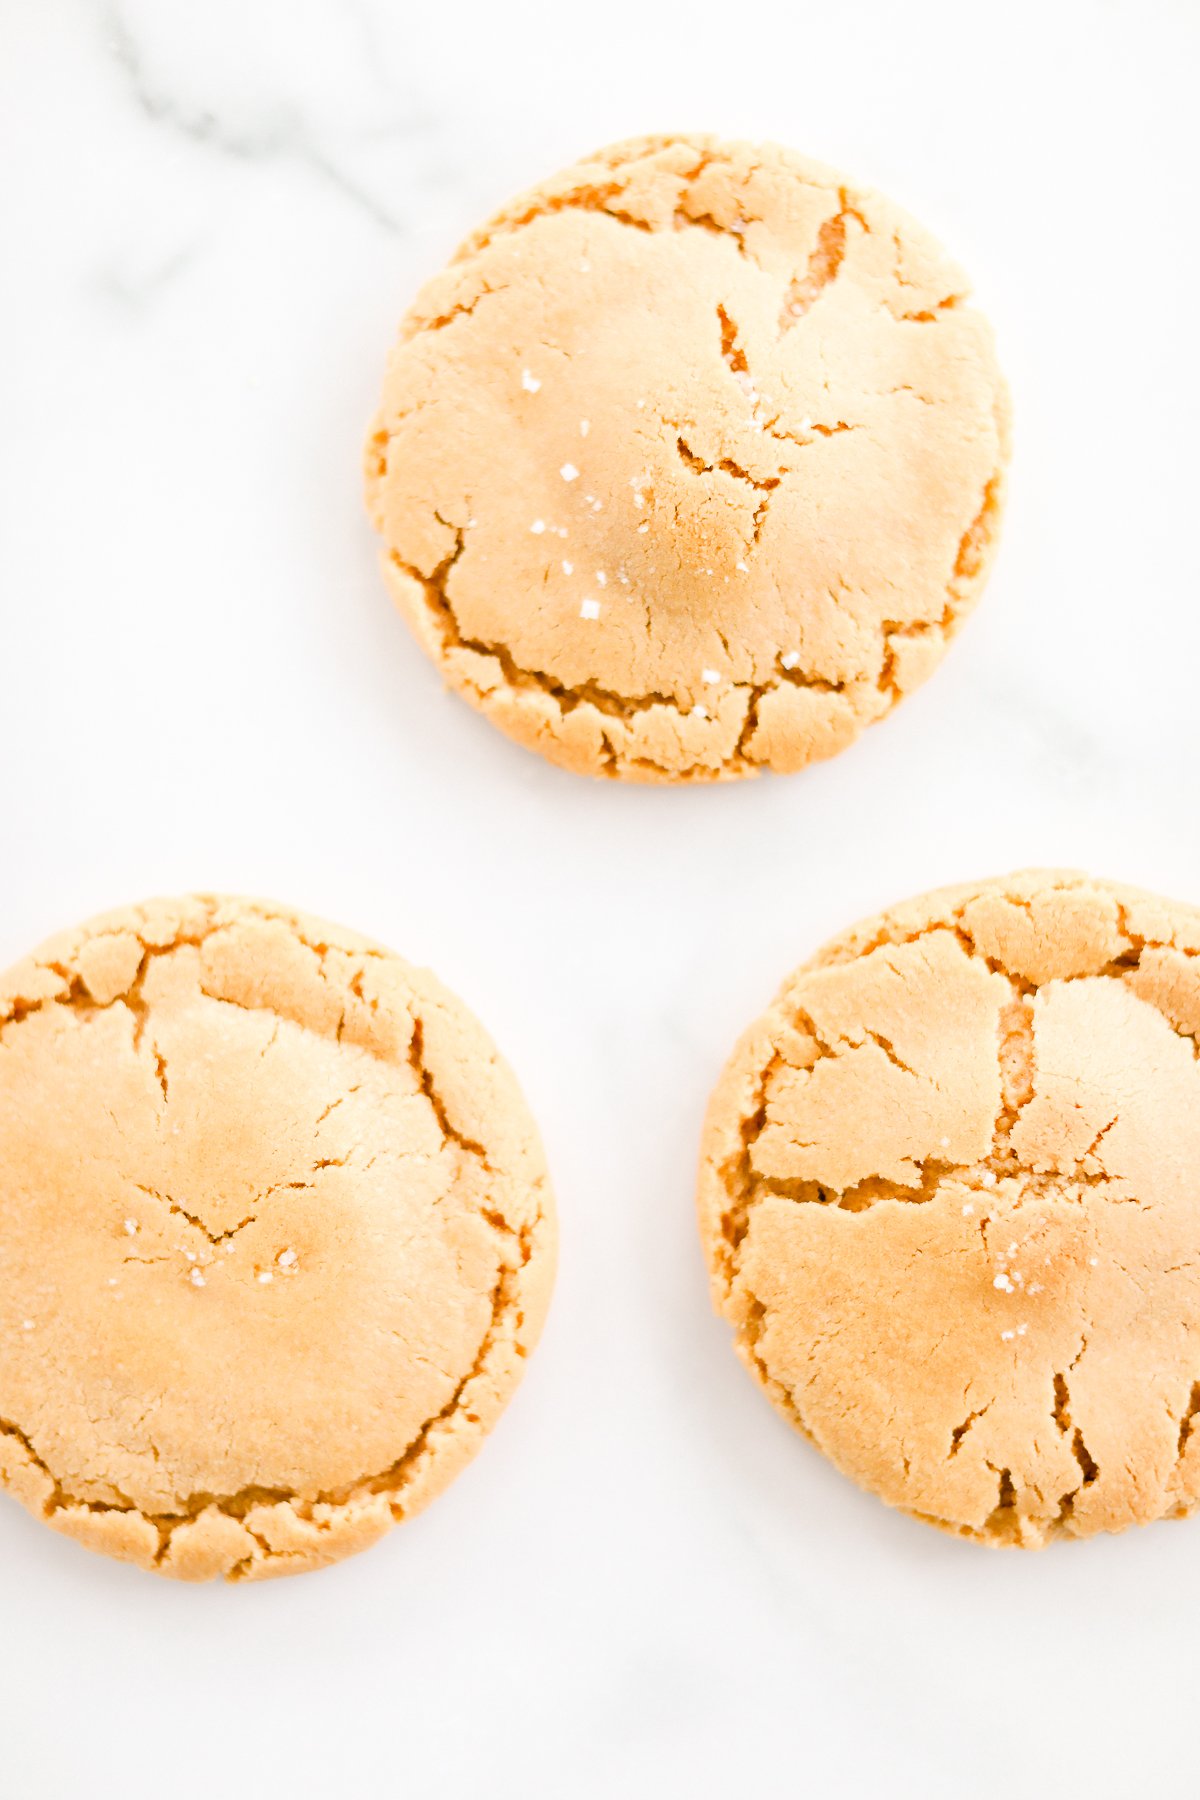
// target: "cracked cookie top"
[[948, 1199], [275, 1237], [691, 462]]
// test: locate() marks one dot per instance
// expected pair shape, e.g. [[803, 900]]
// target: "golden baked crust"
[[949, 1200], [275, 1237], [691, 462]]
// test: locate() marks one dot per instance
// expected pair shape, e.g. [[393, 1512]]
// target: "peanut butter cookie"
[[275, 1238], [949, 1201], [691, 462]]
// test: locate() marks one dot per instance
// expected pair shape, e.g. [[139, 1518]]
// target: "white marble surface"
[[212, 218]]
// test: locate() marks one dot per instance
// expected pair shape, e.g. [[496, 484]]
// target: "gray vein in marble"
[[285, 140], [131, 288]]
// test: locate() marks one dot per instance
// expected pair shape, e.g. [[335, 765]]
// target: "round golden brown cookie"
[[275, 1237], [949, 1201], [691, 462]]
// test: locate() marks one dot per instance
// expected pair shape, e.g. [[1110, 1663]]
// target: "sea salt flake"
[[711, 676], [1006, 1335], [568, 568], [742, 568], [265, 1275], [569, 472], [26, 1324], [601, 578], [585, 425], [968, 1209], [1003, 1284], [530, 382], [790, 659], [538, 526], [988, 1178], [700, 712], [286, 1258], [196, 1278], [131, 1226], [590, 609]]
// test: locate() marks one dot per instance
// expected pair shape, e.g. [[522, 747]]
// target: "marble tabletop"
[[213, 217]]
